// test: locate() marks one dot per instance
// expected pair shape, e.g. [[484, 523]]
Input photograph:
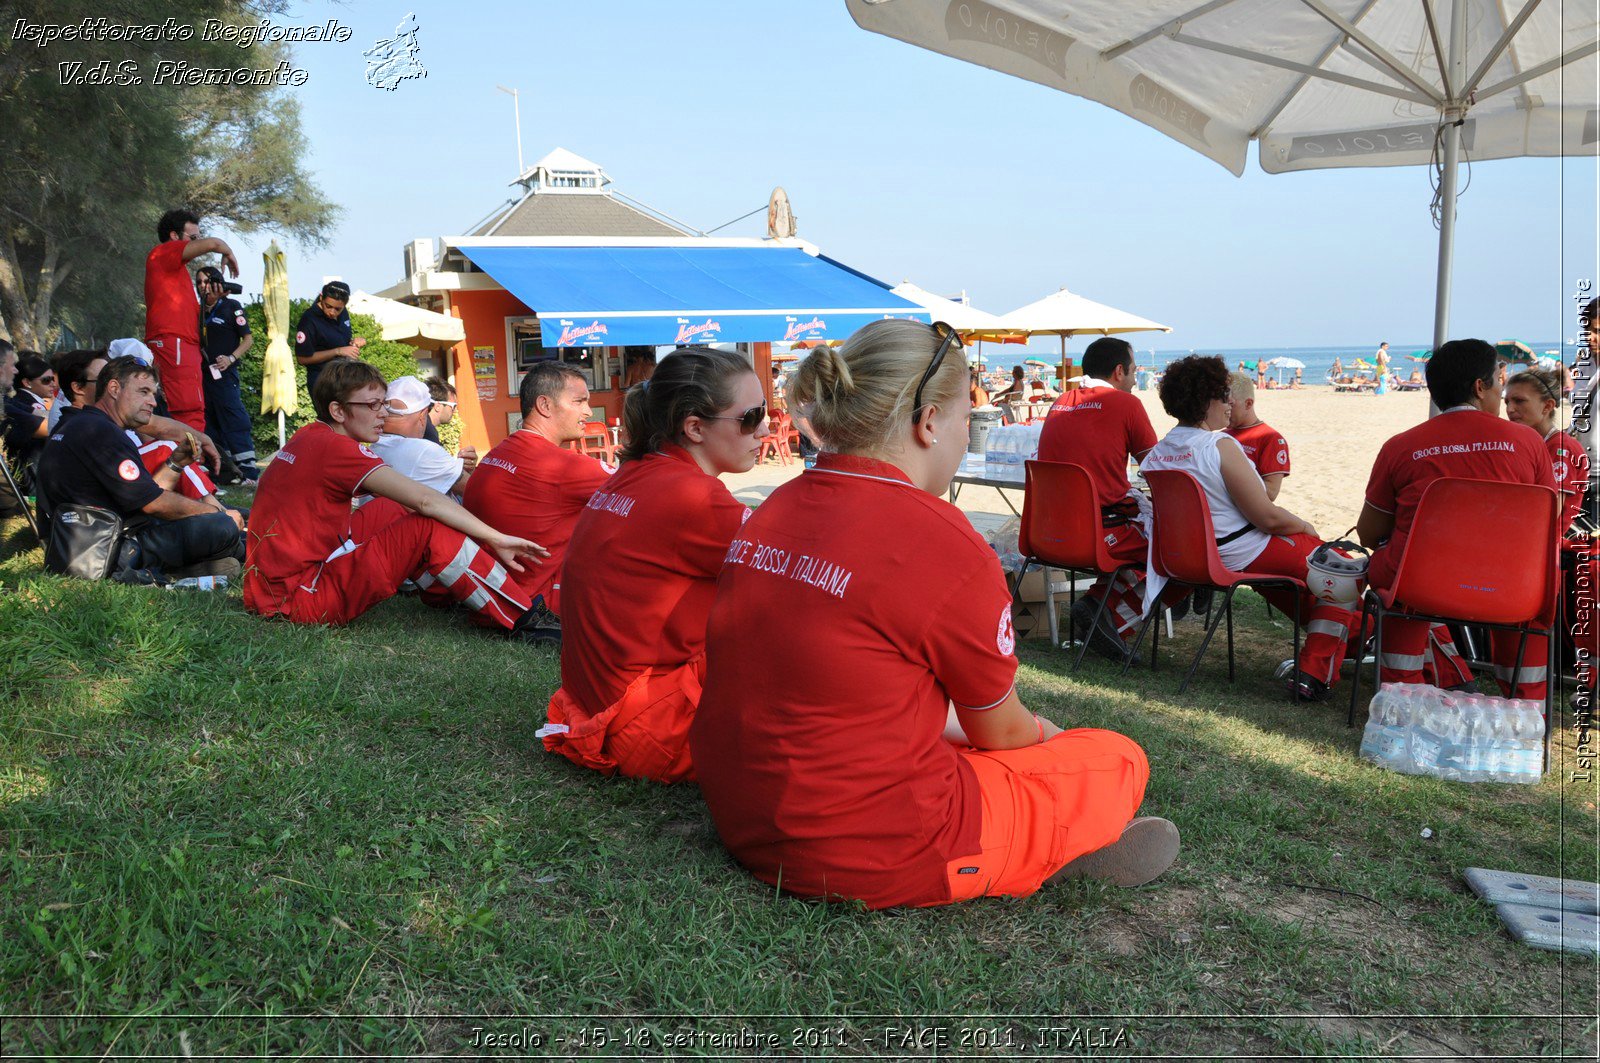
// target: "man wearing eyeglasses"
[[403, 449], [172, 311]]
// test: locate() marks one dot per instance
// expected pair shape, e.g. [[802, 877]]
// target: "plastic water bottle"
[[1386, 739], [201, 583]]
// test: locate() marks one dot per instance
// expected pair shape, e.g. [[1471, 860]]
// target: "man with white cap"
[[402, 448]]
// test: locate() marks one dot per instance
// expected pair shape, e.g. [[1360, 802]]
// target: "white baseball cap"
[[130, 348], [407, 394]]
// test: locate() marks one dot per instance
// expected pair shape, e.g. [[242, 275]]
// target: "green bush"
[[392, 359]]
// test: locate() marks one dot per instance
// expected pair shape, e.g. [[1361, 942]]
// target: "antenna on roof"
[[516, 105]]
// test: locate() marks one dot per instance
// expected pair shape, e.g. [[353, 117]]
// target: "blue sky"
[[911, 166]]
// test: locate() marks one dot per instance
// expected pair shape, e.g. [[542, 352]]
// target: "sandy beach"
[[1333, 439]]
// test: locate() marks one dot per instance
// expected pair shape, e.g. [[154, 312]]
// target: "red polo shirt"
[[1267, 450], [533, 488], [640, 573], [301, 513], [1098, 428], [1462, 441], [821, 754], [171, 306], [1569, 464]]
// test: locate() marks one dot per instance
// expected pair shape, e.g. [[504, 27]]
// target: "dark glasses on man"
[[749, 420], [947, 338]]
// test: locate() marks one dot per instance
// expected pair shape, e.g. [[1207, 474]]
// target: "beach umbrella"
[[279, 387], [1288, 363], [1065, 314], [1515, 352], [1420, 356], [1315, 83]]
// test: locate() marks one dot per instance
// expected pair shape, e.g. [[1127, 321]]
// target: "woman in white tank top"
[[1253, 534]]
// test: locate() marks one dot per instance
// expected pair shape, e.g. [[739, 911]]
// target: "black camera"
[[214, 275]]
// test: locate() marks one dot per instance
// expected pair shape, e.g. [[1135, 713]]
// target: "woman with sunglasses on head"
[[887, 758], [642, 568]]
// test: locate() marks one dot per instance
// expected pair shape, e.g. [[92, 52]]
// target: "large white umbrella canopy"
[[1067, 314], [408, 324], [959, 316], [1317, 83]]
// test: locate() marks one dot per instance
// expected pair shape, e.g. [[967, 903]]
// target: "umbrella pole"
[[280, 429], [1453, 115]]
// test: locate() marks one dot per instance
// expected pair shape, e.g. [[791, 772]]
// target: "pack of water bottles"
[[1009, 445], [1422, 730]]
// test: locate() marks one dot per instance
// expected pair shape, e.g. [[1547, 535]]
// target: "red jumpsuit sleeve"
[[970, 643], [1141, 436], [1380, 485], [586, 476], [1273, 457], [346, 464]]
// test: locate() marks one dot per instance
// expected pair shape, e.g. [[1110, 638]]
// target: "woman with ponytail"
[[643, 564], [887, 758]]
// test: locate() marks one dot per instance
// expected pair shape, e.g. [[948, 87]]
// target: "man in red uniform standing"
[[531, 485], [1267, 450], [1468, 439], [312, 561], [172, 311], [1100, 425]]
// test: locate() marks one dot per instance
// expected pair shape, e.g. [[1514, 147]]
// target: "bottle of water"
[[201, 583], [1386, 739]]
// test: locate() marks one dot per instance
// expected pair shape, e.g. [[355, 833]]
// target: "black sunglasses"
[[947, 338], [749, 420]]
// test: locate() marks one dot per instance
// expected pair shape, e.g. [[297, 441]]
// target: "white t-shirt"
[[418, 459], [1194, 451]]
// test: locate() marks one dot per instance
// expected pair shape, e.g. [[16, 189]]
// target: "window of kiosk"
[[593, 362]]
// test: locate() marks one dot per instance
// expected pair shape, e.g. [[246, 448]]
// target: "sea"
[[1318, 360]]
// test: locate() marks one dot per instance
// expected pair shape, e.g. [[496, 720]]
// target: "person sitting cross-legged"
[[313, 561], [532, 485], [1253, 534], [1468, 439]]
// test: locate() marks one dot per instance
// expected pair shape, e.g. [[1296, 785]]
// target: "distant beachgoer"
[[1462, 380], [1338, 368], [1266, 448], [1299, 382], [1254, 534], [980, 394]]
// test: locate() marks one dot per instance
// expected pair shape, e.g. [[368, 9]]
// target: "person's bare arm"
[[169, 505], [1373, 526], [460, 486], [1250, 496], [386, 483], [211, 245], [1274, 482], [238, 352], [1006, 726], [175, 431], [328, 355]]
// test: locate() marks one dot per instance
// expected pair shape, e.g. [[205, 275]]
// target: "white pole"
[[280, 429], [516, 108], [1454, 111]]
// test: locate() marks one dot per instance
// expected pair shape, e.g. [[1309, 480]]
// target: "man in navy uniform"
[[225, 339], [324, 332], [91, 460]]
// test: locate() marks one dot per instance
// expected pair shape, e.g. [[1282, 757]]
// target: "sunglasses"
[[947, 339], [749, 420]]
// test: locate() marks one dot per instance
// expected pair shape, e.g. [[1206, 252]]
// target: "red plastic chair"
[[1186, 551], [1062, 528], [596, 442], [1480, 552], [776, 441]]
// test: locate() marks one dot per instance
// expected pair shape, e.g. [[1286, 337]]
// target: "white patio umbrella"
[[1316, 83], [1066, 314], [408, 324]]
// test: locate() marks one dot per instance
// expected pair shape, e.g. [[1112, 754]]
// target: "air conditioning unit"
[[419, 256]]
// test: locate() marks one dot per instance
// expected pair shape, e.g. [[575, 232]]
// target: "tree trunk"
[[14, 304], [49, 277]]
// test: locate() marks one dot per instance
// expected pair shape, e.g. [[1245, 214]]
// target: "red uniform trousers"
[[1046, 805], [644, 735], [179, 361], [1420, 651], [1327, 626], [1127, 545], [389, 545]]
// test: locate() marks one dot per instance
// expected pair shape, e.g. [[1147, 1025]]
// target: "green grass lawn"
[[220, 835]]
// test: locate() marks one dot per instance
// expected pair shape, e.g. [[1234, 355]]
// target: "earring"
[[936, 441]]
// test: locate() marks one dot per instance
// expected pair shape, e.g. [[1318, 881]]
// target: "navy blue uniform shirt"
[[222, 329], [317, 333], [89, 461]]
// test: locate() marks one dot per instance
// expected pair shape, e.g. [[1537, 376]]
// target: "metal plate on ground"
[[1546, 928], [1540, 891]]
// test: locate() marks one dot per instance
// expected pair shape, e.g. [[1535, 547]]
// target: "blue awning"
[[617, 296]]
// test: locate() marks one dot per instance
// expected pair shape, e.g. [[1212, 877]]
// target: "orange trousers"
[[1046, 805], [644, 735]]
